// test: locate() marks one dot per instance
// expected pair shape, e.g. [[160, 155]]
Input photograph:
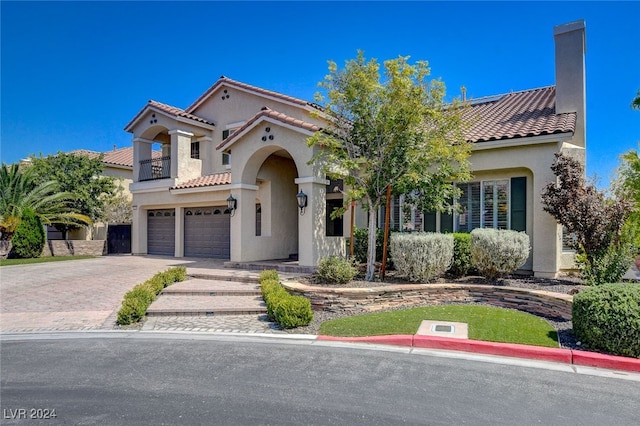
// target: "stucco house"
[[233, 180]]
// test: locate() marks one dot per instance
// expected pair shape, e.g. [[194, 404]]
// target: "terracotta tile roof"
[[517, 115], [118, 157], [266, 112], [229, 82], [223, 178], [171, 110]]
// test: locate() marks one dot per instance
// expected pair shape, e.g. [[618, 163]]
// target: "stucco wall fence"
[[542, 303], [75, 248]]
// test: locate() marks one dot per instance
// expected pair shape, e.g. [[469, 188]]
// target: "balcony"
[[155, 168]]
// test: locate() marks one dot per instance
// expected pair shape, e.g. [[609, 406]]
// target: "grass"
[[10, 262], [485, 323]]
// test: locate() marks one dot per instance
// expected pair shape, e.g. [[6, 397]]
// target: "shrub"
[[29, 238], [361, 243], [607, 318], [497, 252], [137, 300], [421, 256], [461, 264], [293, 311], [287, 310], [269, 274], [607, 267], [334, 269]]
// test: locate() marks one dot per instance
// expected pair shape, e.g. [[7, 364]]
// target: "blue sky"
[[74, 73]]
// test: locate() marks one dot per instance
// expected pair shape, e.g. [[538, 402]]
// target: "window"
[[226, 158], [499, 204], [258, 219], [334, 226], [195, 150]]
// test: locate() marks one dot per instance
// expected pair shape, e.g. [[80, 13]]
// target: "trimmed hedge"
[[29, 238], [421, 256], [461, 254], [607, 318], [137, 300], [286, 310], [497, 252], [334, 269]]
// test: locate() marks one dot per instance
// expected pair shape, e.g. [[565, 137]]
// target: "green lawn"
[[485, 323], [9, 262]]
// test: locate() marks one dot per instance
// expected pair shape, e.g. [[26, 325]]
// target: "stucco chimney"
[[570, 45]]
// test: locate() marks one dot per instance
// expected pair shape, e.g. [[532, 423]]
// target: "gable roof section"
[[517, 115], [215, 179], [224, 81], [270, 115], [174, 112], [122, 157]]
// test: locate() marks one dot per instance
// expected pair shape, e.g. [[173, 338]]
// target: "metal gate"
[[119, 239], [161, 232], [207, 232]]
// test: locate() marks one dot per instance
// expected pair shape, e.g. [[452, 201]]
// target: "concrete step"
[[206, 306], [210, 287], [289, 267]]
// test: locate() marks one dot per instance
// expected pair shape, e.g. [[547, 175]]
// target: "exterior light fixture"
[[302, 201], [232, 204]]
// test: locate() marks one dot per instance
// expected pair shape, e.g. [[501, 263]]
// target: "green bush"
[[269, 274], [497, 252], [461, 264], [137, 300], [608, 266], [421, 256], [29, 238], [361, 243], [287, 310], [334, 269], [607, 318], [293, 311]]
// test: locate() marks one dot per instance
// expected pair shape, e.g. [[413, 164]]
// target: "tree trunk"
[[371, 250]]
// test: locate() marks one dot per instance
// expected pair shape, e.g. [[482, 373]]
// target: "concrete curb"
[[565, 356]]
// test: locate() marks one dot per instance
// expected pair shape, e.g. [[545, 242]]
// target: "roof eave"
[[522, 141]]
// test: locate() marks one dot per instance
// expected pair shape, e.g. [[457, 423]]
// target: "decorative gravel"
[[565, 284]]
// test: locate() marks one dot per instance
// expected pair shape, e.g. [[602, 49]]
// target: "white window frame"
[[483, 223]]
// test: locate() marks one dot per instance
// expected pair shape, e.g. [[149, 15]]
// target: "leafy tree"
[[596, 221], [386, 130], [636, 102], [20, 192], [29, 238], [118, 207], [80, 176]]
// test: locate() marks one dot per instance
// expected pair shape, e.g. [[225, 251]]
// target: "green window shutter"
[[430, 222], [519, 203], [446, 222]]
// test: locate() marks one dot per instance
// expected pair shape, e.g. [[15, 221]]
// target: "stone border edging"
[[537, 302], [565, 356]]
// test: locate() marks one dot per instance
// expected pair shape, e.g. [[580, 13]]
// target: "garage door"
[[161, 232], [206, 232]]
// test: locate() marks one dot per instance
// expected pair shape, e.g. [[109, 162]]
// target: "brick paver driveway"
[[72, 295]]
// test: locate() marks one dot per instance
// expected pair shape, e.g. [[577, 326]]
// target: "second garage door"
[[206, 232]]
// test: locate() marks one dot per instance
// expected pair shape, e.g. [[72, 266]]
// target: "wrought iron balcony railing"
[[155, 168]]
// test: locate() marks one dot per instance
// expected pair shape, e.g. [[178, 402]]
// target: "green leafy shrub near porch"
[[286, 310], [497, 252], [361, 243], [461, 264], [421, 256], [334, 269], [607, 318], [28, 240], [137, 300]]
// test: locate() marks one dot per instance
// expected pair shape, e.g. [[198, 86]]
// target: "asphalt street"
[[146, 379]]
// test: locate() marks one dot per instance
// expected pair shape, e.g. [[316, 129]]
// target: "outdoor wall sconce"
[[232, 204], [302, 201]]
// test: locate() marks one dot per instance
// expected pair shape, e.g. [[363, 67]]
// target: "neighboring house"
[[234, 162]]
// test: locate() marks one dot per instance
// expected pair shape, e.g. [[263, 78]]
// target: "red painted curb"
[[594, 359], [492, 348], [393, 339]]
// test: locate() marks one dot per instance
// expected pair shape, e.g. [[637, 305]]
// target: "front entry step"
[[206, 306], [208, 287]]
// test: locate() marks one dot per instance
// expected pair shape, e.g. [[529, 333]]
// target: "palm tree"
[[636, 102], [19, 192]]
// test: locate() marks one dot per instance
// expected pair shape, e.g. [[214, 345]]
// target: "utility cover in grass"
[[486, 323]]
